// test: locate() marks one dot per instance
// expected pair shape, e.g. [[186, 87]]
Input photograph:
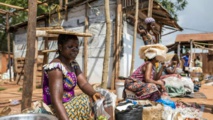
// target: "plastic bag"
[[167, 102], [133, 112], [100, 112]]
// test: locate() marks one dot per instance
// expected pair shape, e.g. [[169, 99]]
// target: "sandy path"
[[12, 93]]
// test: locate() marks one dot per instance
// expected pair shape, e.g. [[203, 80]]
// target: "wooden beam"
[[107, 45], [86, 40], [42, 33], [4, 12], [12, 6], [47, 51], [42, 3], [30, 56], [50, 28], [26, 9], [135, 36], [69, 32], [150, 8], [169, 32]]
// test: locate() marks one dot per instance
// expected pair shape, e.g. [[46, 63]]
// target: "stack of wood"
[[19, 69]]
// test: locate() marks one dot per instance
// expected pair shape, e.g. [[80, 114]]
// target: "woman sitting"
[[175, 84], [61, 76], [170, 68], [144, 81]]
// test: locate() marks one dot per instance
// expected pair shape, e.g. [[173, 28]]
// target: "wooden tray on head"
[[69, 33]]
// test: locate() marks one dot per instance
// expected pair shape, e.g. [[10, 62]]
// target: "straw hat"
[[157, 51]]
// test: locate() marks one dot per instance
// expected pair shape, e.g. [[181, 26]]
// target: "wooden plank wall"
[[19, 69], [207, 60]]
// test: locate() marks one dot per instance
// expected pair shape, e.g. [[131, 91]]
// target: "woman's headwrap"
[[149, 20]]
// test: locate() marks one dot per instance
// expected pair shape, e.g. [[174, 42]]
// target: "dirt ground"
[[13, 92]]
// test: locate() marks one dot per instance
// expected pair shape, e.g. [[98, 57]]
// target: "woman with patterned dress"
[[143, 82], [61, 76]]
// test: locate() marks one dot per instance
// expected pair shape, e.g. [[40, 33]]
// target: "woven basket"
[[153, 112]]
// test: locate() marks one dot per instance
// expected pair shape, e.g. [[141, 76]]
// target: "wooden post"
[[8, 44], [30, 56], [116, 45], [66, 10], [46, 44], [86, 41], [35, 64], [135, 36], [191, 55], [150, 8], [178, 51], [61, 4], [107, 45]]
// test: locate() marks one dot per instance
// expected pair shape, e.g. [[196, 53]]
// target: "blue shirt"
[[186, 60]]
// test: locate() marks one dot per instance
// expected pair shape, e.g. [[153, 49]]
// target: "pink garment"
[[139, 75]]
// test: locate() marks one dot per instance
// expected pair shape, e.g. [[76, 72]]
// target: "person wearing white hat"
[[143, 80]]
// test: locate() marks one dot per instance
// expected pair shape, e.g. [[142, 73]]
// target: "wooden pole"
[[178, 51], [191, 55], [66, 10], [35, 64], [135, 36], [46, 45], [86, 41], [115, 70], [150, 8], [61, 4], [30, 56], [8, 44], [107, 45]]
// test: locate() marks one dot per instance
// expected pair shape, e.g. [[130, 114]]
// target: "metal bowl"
[[29, 117]]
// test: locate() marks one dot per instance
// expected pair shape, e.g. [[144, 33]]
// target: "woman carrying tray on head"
[[61, 76]]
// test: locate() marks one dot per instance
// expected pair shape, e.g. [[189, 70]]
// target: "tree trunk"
[[86, 42], [30, 56], [107, 46], [135, 36]]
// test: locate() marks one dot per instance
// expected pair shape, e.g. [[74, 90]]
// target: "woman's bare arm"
[[83, 83], [148, 72], [56, 93]]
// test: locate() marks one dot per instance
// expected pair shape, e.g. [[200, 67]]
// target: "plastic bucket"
[[119, 89]]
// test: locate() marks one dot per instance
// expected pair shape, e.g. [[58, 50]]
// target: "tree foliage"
[[173, 6], [20, 16]]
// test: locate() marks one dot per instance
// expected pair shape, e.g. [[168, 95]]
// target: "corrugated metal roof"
[[203, 37]]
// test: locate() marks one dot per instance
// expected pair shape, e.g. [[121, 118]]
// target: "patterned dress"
[[143, 90], [77, 107]]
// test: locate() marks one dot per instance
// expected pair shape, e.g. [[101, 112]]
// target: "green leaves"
[[20, 17], [173, 6]]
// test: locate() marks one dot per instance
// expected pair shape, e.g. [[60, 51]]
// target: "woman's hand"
[[97, 96], [161, 83]]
